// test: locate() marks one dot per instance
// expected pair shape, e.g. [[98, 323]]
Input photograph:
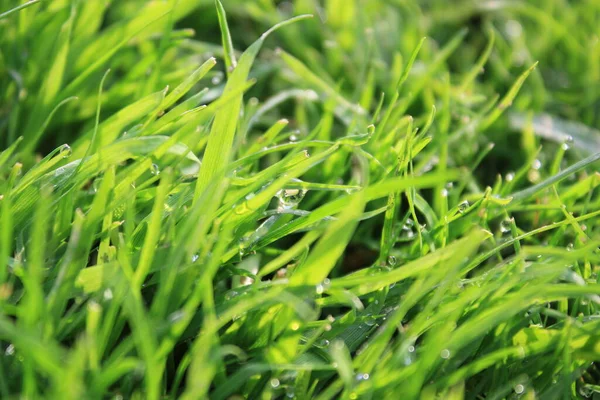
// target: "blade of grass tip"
[[90, 148], [220, 142], [6, 235], [228, 52], [183, 88], [507, 99], [305, 73], [19, 8], [153, 232], [529, 192], [54, 78], [409, 64], [30, 143], [6, 154], [386, 117], [478, 67], [82, 77], [331, 246]]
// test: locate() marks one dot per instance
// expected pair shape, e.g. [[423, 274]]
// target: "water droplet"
[[449, 186], [295, 326], [411, 349], [195, 257], [510, 177], [319, 289], [274, 383], [444, 193], [519, 389], [65, 151], [462, 207], [565, 146], [217, 78], [154, 169], [10, 350], [537, 164], [570, 247], [362, 377], [230, 295], [323, 343], [293, 138], [505, 225], [370, 320], [445, 354], [108, 294], [569, 139], [533, 175], [289, 392], [290, 198], [246, 280], [176, 316], [513, 28], [392, 260]]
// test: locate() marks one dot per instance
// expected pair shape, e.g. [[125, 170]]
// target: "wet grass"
[[340, 199]]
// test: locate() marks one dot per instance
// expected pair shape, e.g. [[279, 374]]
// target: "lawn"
[[307, 199]]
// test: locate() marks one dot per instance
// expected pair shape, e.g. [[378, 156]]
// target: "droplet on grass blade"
[[65, 151]]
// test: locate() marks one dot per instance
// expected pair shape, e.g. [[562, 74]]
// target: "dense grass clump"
[[355, 199]]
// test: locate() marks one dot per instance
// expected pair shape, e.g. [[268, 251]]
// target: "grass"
[[388, 199]]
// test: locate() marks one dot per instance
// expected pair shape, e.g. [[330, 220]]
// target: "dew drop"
[[445, 354], [362, 377], [230, 295], [108, 294], [510, 177], [570, 247], [10, 350], [176, 316], [319, 289], [295, 326], [290, 198], [274, 383], [462, 207], [154, 169], [370, 320], [505, 225], [392, 260], [290, 392], [537, 164], [569, 139], [519, 389], [65, 151], [195, 257], [217, 78], [323, 343], [444, 193]]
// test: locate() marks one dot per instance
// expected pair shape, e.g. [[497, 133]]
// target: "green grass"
[[391, 199]]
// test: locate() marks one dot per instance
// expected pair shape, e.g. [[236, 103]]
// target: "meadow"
[[307, 199]]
